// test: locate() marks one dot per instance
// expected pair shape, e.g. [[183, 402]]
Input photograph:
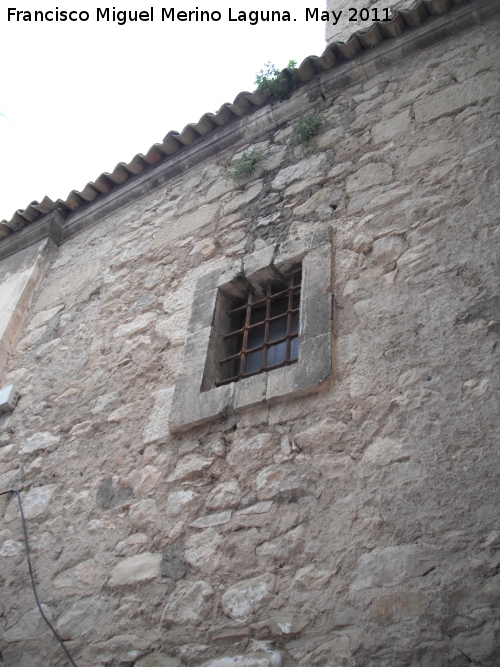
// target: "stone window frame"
[[193, 404]]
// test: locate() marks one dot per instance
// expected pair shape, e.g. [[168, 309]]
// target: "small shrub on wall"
[[245, 165], [305, 128], [278, 84]]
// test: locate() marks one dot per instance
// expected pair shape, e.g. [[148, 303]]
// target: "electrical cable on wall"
[[33, 585]]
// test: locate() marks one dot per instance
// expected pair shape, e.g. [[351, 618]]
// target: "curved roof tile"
[[243, 103]]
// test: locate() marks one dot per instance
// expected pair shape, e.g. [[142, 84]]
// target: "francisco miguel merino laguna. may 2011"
[[122, 17]]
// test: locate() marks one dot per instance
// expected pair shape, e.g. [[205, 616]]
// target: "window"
[[260, 331], [264, 330]]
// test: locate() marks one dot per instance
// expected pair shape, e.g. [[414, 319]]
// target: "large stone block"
[[143, 513], [456, 98], [39, 441], [43, 317], [30, 626], [317, 271], [335, 652], [249, 453], [327, 433], [107, 402], [315, 362], [184, 401], [195, 351], [81, 617], [436, 150], [316, 316], [203, 551], [243, 599], [387, 129], [191, 407], [385, 451], [138, 325], [310, 166], [190, 467], [189, 603], [387, 249], [158, 660], [284, 546], [225, 496], [202, 310], [211, 520], [259, 659], [120, 648], [35, 503], [313, 578], [269, 480], [133, 570], [78, 578], [241, 199], [404, 606], [258, 260], [281, 382], [208, 282], [375, 173], [175, 228], [389, 566], [250, 391], [157, 426], [179, 501]]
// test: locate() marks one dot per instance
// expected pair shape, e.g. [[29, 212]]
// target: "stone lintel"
[[259, 260]]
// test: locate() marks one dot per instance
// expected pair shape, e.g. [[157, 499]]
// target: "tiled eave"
[[339, 65]]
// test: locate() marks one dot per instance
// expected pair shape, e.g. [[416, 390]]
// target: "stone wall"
[[19, 277], [354, 526]]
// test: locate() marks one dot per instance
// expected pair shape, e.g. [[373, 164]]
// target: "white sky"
[[77, 98]]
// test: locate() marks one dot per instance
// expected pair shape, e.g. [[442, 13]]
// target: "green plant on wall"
[[278, 85], [245, 165], [306, 127]]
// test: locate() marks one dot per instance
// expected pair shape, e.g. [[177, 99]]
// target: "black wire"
[[33, 585]]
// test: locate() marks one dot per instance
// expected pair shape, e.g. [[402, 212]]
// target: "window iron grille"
[[264, 333]]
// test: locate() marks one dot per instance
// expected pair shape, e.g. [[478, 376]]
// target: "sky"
[[76, 98]]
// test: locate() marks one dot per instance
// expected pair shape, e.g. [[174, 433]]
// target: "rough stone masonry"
[[357, 525]]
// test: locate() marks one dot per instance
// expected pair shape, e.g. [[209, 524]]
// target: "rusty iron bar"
[[281, 316]]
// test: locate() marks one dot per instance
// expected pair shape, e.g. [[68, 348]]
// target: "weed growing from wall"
[[305, 128], [279, 85], [245, 165]]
